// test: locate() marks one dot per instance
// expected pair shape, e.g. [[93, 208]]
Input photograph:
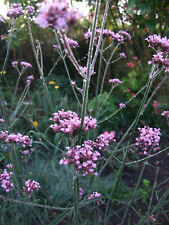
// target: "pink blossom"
[[115, 81], [95, 195], [30, 9], [165, 113], [14, 64], [130, 64], [57, 14], [148, 137], [135, 57], [123, 55], [25, 65], [9, 166], [31, 186], [128, 91], [156, 41], [5, 178], [15, 10], [151, 218], [83, 157], [122, 105], [69, 122], [2, 120], [72, 43]]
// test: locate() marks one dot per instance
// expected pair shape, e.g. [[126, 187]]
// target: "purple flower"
[[115, 81], [122, 105], [148, 137], [72, 43], [25, 65], [14, 64], [15, 10], [122, 55], [30, 9], [95, 195], [31, 186], [68, 122], [57, 14], [83, 157], [165, 113], [2, 120]]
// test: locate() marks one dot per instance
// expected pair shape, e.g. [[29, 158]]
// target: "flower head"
[[15, 10], [57, 14]]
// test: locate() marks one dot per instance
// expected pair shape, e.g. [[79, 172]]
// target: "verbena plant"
[[54, 179]]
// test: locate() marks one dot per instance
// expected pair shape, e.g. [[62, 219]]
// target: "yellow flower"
[[3, 72], [56, 87], [51, 82], [30, 173], [35, 124]]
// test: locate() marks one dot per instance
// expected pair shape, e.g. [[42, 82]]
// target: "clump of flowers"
[[122, 55], [157, 42], [120, 37], [19, 138], [115, 81], [15, 10], [30, 9], [72, 43], [83, 157], [122, 105], [29, 79], [104, 140], [95, 195], [2, 120], [148, 137], [161, 45], [5, 178], [31, 186], [57, 14], [165, 113], [68, 122], [23, 65]]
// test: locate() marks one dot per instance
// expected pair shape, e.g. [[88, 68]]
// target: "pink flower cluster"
[[24, 65], [161, 45], [29, 79], [57, 14], [122, 105], [148, 137], [156, 41], [72, 43], [15, 10], [115, 81], [30, 9], [5, 178], [83, 157], [84, 70], [95, 195], [130, 64], [165, 113], [16, 138], [120, 37], [68, 122], [122, 55], [31, 186], [2, 120], [104, 140]]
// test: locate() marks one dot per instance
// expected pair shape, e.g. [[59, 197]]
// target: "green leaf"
[[131, 3], [151, 24]]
